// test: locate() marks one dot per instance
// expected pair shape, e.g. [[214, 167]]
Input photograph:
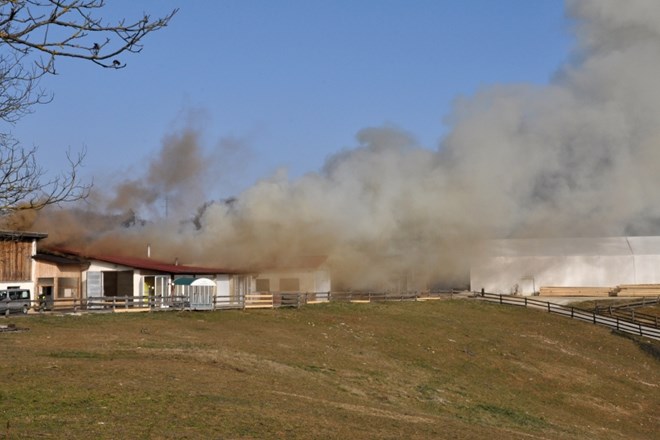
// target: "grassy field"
[[454, 369]]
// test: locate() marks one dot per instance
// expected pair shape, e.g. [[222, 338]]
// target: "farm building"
[[58, 277], [66, 278], [303, 274], [528, 266], [118, 276], [17, 270]]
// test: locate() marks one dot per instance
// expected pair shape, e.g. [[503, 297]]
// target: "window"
[[289, 284], [263, 285], [67, 287]]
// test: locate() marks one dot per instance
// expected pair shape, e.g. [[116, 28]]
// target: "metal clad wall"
[[505, 266], [93, 284]]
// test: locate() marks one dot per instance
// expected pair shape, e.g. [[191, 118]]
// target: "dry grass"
[[443, 369]]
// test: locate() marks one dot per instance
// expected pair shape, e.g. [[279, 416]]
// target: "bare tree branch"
[[24, 184], [60, 28], [33, 35]]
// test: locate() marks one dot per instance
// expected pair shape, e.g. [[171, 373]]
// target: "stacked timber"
[[627, 290], [576, 291], [638, 290]]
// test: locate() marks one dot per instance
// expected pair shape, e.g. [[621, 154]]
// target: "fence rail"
[[640, 324], [248, 301], [614, 323], [630, 315]]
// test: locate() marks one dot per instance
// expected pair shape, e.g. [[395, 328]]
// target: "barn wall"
[[524, 275], [51, 270], [15, 260], [647, 269], [308, 280], [65, 279], [126, 286]]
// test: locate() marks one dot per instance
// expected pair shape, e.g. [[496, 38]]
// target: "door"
[[155, 288], [527, 286]]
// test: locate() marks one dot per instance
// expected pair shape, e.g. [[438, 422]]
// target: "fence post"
[[572, 311], [114, 303]]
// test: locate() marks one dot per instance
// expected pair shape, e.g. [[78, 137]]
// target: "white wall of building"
[[524, 266], [223, 288], [526, 275], [310, 281]]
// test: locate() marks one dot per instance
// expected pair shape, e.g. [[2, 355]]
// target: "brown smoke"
[[580, 156]]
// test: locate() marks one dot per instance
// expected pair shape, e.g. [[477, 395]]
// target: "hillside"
[[446, 369]]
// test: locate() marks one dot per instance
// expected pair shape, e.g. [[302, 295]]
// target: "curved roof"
[[203, 282], [572, 246], [189, 281]]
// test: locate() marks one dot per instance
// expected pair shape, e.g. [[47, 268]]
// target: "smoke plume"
[[579, 156]]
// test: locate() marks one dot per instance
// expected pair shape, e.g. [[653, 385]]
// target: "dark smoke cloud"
[[580, 156]]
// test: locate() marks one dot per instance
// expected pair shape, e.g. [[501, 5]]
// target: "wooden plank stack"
[[576, 291], [638, 290], [625, 290]]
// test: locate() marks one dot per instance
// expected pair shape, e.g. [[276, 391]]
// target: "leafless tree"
[[25, 185], [33, 35]]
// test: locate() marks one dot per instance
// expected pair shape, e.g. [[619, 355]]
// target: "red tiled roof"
[[147, 263]]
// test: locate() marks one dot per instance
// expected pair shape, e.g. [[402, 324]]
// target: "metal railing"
[[614, 323]]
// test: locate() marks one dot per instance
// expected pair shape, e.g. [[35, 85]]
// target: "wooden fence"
[[627, 311], [295, 299], [613, 322], [250, 301], [625, 321]]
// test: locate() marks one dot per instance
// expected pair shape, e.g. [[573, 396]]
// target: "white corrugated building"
[[523, 266]]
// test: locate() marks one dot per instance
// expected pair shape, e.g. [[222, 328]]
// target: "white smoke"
[[580, 156]]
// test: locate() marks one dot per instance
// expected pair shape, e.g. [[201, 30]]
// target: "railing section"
[[614, 323]]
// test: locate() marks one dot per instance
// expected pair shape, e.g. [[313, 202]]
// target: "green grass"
[[445, 369]]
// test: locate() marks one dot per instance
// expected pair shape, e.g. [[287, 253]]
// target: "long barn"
[[527, 266]]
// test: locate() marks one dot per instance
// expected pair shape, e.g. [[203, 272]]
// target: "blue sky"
[[290, 82]]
